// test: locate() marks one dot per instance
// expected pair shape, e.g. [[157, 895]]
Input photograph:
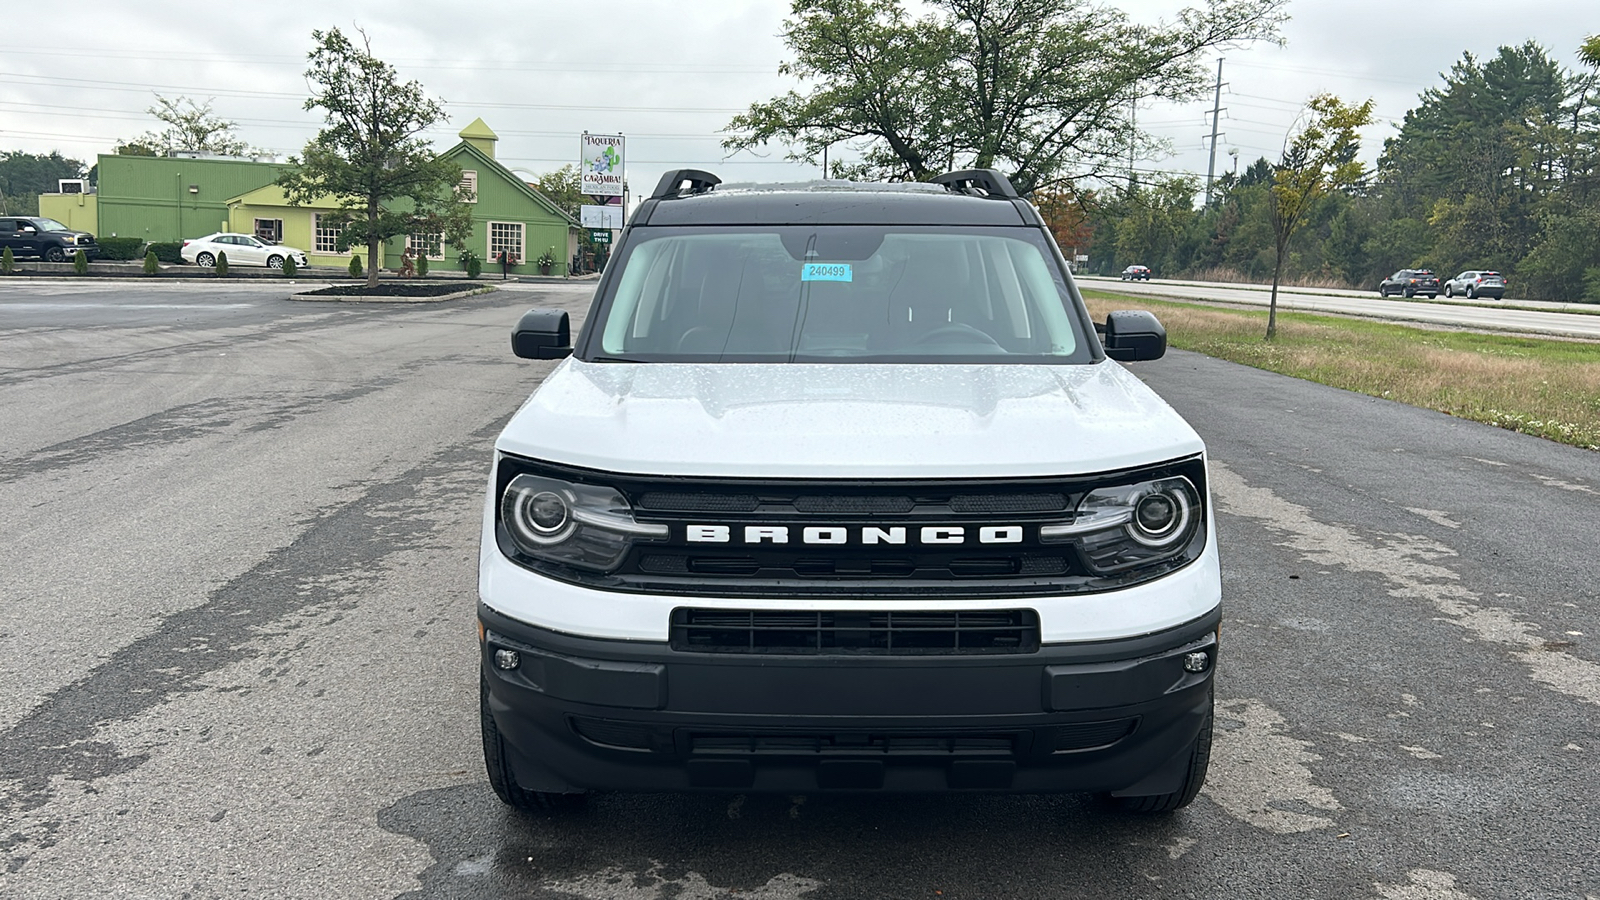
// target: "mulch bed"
[[395, 289]]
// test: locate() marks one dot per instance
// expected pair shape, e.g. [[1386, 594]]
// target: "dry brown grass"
[[1549, 388], [1228, 274]]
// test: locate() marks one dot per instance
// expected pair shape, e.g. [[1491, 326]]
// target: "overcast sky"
[[668, 75]]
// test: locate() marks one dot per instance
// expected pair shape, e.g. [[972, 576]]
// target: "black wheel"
[[55, 254], [206, 260], [1199, 761], [1472, 292], [274, 262], [1449, 290], [1409, 293], [1383, 292], [501, 777], [1430, 296]]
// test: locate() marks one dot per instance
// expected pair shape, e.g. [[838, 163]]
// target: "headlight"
[[70, 239], [582, 525], [1129, 526]]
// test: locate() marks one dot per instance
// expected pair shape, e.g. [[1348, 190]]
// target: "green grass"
[[1548, 388]]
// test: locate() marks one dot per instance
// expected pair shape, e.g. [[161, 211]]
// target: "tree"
[[369, 156], [24, 176], [1318, 157], [1590, 51], [190, 126], [1038, 88], [563, 187]]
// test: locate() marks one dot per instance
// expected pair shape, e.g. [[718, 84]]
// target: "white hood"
[[847, 421]]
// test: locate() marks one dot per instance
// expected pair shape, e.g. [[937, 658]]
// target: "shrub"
[[120, 247], [169, 252], [222, 263], [8, 263], [289, 268], [422, 267], [355, 267], [151, 265], [80, 263], [471, 263]]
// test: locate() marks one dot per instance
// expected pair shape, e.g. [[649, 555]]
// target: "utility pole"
[[1133, 139], [1216, 119]]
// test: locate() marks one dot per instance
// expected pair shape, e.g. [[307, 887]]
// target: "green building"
[[173, 198]]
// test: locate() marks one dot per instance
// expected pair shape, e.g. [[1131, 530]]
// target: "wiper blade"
[[617, 359]]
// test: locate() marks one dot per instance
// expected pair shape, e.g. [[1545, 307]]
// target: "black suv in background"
[[45, 238], [1411, 282]]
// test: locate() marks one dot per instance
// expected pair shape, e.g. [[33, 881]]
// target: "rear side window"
[[839, 294]]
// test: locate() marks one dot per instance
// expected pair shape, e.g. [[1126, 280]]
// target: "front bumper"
[[590, 714]]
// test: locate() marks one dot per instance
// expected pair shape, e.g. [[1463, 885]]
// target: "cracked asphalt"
[[237, 583]]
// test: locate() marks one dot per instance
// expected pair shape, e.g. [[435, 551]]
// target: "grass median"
[[1548, 388]]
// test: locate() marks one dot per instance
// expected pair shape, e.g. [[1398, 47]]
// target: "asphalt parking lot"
[[237, 656]]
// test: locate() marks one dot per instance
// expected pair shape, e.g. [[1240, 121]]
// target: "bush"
[[222, 263], [120, 247], [8, 263], [80, 263], [422, 267], [289, 268], [472, 264], [170, 253], [151, 265], [355, 267]]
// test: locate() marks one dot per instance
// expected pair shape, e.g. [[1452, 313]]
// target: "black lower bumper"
[[584, 714]]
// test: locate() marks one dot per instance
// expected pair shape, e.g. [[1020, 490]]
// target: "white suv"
[[839, 490]]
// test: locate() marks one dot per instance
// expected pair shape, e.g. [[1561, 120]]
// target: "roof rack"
[[968, 181], [671, 184]]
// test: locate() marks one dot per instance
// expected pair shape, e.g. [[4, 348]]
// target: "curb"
[[381, 298]]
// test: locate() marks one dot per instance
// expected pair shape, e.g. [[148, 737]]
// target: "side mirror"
[[1133, 335], [542, 334]]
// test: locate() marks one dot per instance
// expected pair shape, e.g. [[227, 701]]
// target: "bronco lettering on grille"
[[868, 535]]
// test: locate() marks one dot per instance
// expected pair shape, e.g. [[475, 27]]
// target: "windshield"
[[50, 225], [837, 294]]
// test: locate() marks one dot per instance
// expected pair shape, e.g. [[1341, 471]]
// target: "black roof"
[[791, 207], [972, 197]]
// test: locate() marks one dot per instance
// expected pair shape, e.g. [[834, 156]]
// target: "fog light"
[[510, 659], [1192, 662]]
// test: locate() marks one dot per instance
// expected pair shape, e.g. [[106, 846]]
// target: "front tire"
[[274, 262], [55, 254], [498, 763], [1194, 779]]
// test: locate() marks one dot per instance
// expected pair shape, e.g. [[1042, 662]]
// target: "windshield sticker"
[[825, 272]]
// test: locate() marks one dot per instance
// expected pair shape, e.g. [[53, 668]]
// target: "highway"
[[1488, 315]]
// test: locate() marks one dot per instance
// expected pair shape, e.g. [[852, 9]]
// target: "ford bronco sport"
[[840, 489]]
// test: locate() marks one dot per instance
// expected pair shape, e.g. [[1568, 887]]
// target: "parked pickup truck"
[[45, 238]]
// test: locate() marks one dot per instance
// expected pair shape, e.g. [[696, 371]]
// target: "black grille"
[[685, 502], [853, 744], [794, 633], [856, 539]]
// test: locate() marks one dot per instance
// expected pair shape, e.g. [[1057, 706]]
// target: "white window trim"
[[468, 188], [440, 254], [314, 249], [522, 242]]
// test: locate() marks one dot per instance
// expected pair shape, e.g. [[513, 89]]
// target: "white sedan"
[[242, 250]]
